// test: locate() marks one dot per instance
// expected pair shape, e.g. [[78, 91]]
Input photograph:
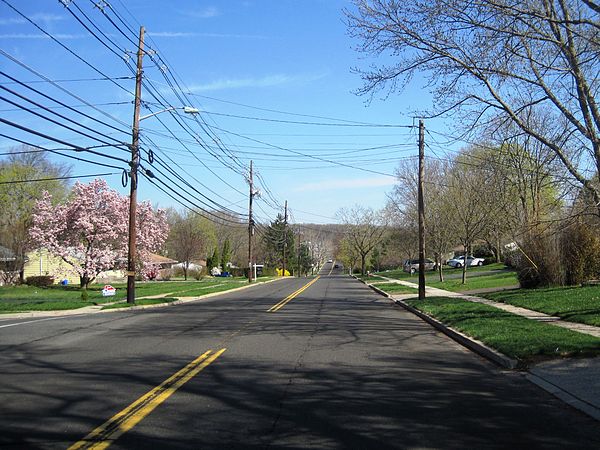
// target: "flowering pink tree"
[[89, 231]]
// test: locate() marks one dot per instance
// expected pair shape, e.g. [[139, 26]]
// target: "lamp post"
[[135, 156]]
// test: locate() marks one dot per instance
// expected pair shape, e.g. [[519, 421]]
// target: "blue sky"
[[250, 67]]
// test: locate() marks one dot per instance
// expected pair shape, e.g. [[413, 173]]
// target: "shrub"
[[238, 272], [581, 253], [165, 274], [197, 274], [483, 251], [40, 281], [540, 264]]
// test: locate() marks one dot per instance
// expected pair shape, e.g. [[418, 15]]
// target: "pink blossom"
[[90, 230]]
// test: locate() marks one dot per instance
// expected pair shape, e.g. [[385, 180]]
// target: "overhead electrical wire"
[[58, 152], [95, 175], [66, 91], [62, 116], [91, 66]]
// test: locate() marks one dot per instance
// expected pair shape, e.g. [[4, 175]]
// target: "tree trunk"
[[498, 251], [363, 264], [464, 268], [440, 268]]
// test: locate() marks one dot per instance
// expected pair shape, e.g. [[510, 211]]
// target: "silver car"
[[412, 265]]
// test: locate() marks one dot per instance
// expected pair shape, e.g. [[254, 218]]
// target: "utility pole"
[[250, 226], [135, 155], [299, 266], [421, 207], [284, 239]]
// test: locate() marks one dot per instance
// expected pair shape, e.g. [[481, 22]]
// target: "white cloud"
[[38, 17], [41, 36], [335, 184], [191, 34], [206, 13], [266, 81]]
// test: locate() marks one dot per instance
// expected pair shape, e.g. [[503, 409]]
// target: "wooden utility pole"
[[299, 266], [284, 239], [421, 207], [135, 161], [250, 226]]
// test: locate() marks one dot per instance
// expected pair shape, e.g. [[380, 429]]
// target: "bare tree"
[[496, 61], [473, 205], [403, 200], [191, 237], [365, 230]]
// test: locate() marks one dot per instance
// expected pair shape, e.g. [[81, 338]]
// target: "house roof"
[[158, 259]]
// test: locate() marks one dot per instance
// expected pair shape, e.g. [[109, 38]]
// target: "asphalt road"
[[336, 366]]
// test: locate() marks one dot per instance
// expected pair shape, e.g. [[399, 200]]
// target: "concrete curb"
[[464, 340], [496, 357]]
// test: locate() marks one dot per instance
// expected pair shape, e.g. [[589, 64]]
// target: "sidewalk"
[[529, 314], [574, 381]]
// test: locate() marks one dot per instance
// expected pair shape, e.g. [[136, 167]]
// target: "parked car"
[[412, 265], [460, 261]]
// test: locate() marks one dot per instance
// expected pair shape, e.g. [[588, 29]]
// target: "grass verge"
[[395, 288], [512, 335], [575, 304], [25, 298]]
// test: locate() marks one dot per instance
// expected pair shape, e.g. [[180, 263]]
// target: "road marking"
[[331, 270], [103, 436], [31, 321], [290, 297]]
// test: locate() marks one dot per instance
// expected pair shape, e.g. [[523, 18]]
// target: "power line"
[[91, 66], [58, 152], [322, 124], [66, 91], [95, 175], [73, 80], [348, 122]]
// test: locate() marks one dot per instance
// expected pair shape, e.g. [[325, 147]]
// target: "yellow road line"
[[331, 270], [120, 423], [290, 297]]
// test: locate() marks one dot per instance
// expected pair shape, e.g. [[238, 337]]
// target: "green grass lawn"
[[51, 298], [491, 276], [575, 304], [495, 280], [30, 298], [512, 335], [395, 288]]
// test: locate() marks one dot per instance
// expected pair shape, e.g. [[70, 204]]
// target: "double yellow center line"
[[120, 423], [293, 295], [104, 435]]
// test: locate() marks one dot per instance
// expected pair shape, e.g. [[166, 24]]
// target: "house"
[[196, 264], [41, 262]]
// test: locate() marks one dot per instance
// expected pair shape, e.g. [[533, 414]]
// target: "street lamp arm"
[[186, 109]]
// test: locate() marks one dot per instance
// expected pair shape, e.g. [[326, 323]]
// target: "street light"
[[185, 109], [135, 147]]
